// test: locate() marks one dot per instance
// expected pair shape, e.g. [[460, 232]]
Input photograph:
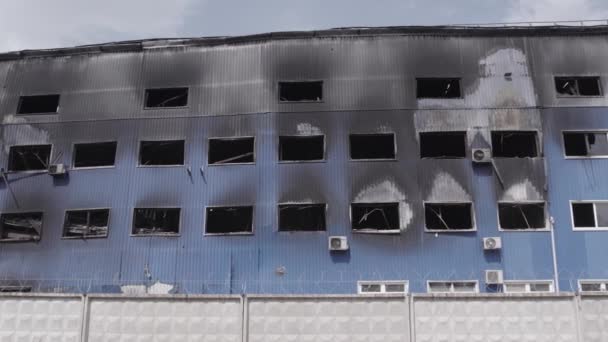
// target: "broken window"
[[94, 154], [301, 148], [528, 286], [375, 217], [578, 86], [21, 226], [29, 157], [301, 217], [227, 220], [15, 289], [448, 216], [301, 91], [371, 287], [372, 146], [166, 97], [443, 144], [593, 285], [514, 144], [231, 150], [438, 88], [156, 221], [164, 152], [521, 216], [38, 104], [586, 144], [87, 223], [467, 286], [590, 214]]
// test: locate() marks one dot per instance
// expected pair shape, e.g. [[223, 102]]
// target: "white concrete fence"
[[421, 318]]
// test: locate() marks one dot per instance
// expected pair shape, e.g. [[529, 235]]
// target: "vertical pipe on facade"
[[554, 255], [412, 318], [244, 318]]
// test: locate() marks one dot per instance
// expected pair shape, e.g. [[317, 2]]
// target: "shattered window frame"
[[245, 137], [373, 230], [24, 97], [281, 82], [33, 238], [597, 227], [602, 285], [74, 146], [382, 287], [350, 146], [184, 154], [585, 132], [88, 228], [537, 144], [527, 286], [465, 145], [523, 229], [449, 78], [576, 88], [238, 233], [452, 230], [290, 161], [298, 231], [452, 286], [157, 234], [10, 165], [147, 93]]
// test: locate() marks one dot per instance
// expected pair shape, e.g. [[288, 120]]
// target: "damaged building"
[[377, 160]]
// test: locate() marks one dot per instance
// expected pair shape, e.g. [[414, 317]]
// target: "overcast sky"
[[33, 24]]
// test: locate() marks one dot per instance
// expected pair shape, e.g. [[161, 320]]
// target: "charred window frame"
[[91, 155], [231, 151], [29, 158], [585, 144], [384, 287], [438, 88], [589, 215], [156, 222], [300, 91], [229, 220], [578, 86], [301, 148], [38, 104], [593, 285], [21, 227], [375, 217], [515, 144], [86, 223], [302, 217], [449, 217], [166, 98], [374, 146], [522, 216], [443, 145], [161, 153], [526, 286], [452, 286]]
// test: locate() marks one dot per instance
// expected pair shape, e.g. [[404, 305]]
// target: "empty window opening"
[[448, 216], [227, 220], [375, 217], [88, 223], [467, 286], [586, 144], [21, 226], [438, 88], [375, 287], [94, 154], [301, 91], [590, 215], [170, 152], [231, 151], [301, 217], [166, 97], [372, 146], [443, 144], [301, 148], [156, 221], [38, 104], [527, 287], [15, 289], [521, 215], [578, 86], [29, 157], [514, 144], [593, 285]]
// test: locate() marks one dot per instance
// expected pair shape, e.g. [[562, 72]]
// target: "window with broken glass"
[[449, 216], [586, 144], [514, 144], [231, 151], [438, 88], [302, 91], [445, 145], [593, 285], [229, 220], [578, 86], [301, 217], [86, 223], [18, 227], [166, 98], [301, 148], [440, 286], [156, 221], [372, 146], [375, 217], [38, 104], [590, 215], [161, 153], [94, 154], [29, 157], [521, 216]]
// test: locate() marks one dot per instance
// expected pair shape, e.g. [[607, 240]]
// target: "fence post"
[[412, 318], [84, 320]]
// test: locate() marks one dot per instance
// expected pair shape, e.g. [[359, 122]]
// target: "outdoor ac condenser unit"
[[492, 243], [338, 243], [57, 169], [494, 277], [481, 155]]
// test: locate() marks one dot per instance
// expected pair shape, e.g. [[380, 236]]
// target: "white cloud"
[[555, 10]]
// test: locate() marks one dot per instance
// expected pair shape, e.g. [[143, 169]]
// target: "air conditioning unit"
[[494, 277], [492, 243], [338, 243], [481, 155], [57, 169]]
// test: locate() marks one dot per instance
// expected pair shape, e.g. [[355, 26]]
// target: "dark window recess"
[[156, 221], [514, 144], [94, 154], [38, 104], [226, 220], [301, 217], [584, 144], [372, 146], [439, 88], [443, 144], [301, 91], [521, 215], [375, 216], [231, 151], [301, 148], [29, 157], [86, 223], [169, 152], [21, 226], [166, 97], [15, 289], [583, 215], [448, 216], [578, 86]]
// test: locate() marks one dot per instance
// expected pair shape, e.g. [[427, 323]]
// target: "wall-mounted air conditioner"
[[494, 277], [338, 243], [492, 243], [481, 155], [57, 170]]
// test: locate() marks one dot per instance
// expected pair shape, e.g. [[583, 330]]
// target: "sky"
[[38, 24]]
